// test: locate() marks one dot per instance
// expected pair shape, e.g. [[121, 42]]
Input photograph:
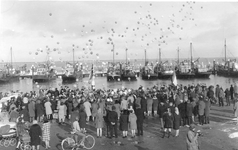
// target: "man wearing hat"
[[192, 138]]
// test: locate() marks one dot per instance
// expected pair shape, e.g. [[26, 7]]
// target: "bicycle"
[[69, 143]]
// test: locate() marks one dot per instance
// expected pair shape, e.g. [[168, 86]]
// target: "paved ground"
[[215, 135]]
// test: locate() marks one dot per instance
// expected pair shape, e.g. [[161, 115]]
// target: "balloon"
[[91, 53], [30, 53], [36, 53], [201, 7], [83, 26], [116, 53], [52, 36], [115, 22], [59, 52], [97, 54], [50, 14], [57, 42]]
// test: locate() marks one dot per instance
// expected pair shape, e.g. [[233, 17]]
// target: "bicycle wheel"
[[89, 142], [6, 143], [67, 144], [13, 142], [27, 147], [1, 142]]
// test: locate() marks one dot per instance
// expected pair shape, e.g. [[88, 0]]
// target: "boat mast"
[[145, 56], [178, 55], [113, 54], [225, 50], [73, 57], [11, 59], [159, 56], [191, 49], [126, 56]]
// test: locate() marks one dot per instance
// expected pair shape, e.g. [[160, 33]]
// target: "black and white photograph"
[[121, 75]]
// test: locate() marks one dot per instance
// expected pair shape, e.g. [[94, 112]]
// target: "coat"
[[39, 110], [46, 131], [132, 121], [31, 109], [201, 107], [124, 119], [168, 120], [82, 119], [140, 115], [149, 104], [94, 109], [191, 140], [48, 109], [87, 107], [177, 120], [207, 107], [189, 110], [35, 133], [99, 120]]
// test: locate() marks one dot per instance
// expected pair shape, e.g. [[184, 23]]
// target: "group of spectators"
[[123, 109]]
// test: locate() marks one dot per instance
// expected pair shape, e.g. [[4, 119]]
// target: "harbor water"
[[26, 85]]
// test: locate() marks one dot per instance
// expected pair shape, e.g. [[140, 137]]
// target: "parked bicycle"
[[70, 144]]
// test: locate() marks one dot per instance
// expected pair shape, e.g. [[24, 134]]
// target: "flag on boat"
[[174, 79]]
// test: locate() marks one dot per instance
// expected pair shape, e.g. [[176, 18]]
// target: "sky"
[[92, 29]]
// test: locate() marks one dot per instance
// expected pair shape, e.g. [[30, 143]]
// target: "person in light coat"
[[87, 107], [62, 112], [236, 108]]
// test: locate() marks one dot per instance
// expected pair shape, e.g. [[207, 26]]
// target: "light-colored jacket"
[[192, 141]]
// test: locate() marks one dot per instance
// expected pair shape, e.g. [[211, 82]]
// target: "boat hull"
[[149, 76], [203, 74], [128, 77], [70, 78], [113, 78], [38, 78], [227, 73], [185, 75], [165, 75]]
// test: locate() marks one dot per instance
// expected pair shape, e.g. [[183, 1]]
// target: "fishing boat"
[[163, 69], [127, 71], [202, 71], [184, 69], [8, 73], [229, 68], [114, 69], [147, 72], [43, 73], [113, 72], [72, 72]]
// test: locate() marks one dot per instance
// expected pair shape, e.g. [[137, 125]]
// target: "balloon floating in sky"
[[50, 14], [36, 53]]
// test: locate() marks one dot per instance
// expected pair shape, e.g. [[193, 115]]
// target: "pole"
[[11, 59], [126, 56], [113, 54], [225, 50], [191, 49], [145, 56], [178, 55], [73, 56], [159, 56]]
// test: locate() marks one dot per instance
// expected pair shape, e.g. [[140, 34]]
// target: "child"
[[132, 120], [99, 122]]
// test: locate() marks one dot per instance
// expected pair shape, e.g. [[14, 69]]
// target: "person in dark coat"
[[35, 134], [112, 119], [232, 92], [140, 120], [207, 111], [177, 121], [189, 113], [39, 111], [182, 111], [143, 104], [25, 114], [82, 118], [168, 122], [161, 111], [124, 120]]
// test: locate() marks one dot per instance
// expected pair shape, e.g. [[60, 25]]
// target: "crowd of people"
[[118, 109]]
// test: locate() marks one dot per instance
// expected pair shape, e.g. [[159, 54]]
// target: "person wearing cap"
[[192, 138]]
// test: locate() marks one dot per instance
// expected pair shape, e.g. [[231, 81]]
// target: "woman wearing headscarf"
[[35, 134]]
